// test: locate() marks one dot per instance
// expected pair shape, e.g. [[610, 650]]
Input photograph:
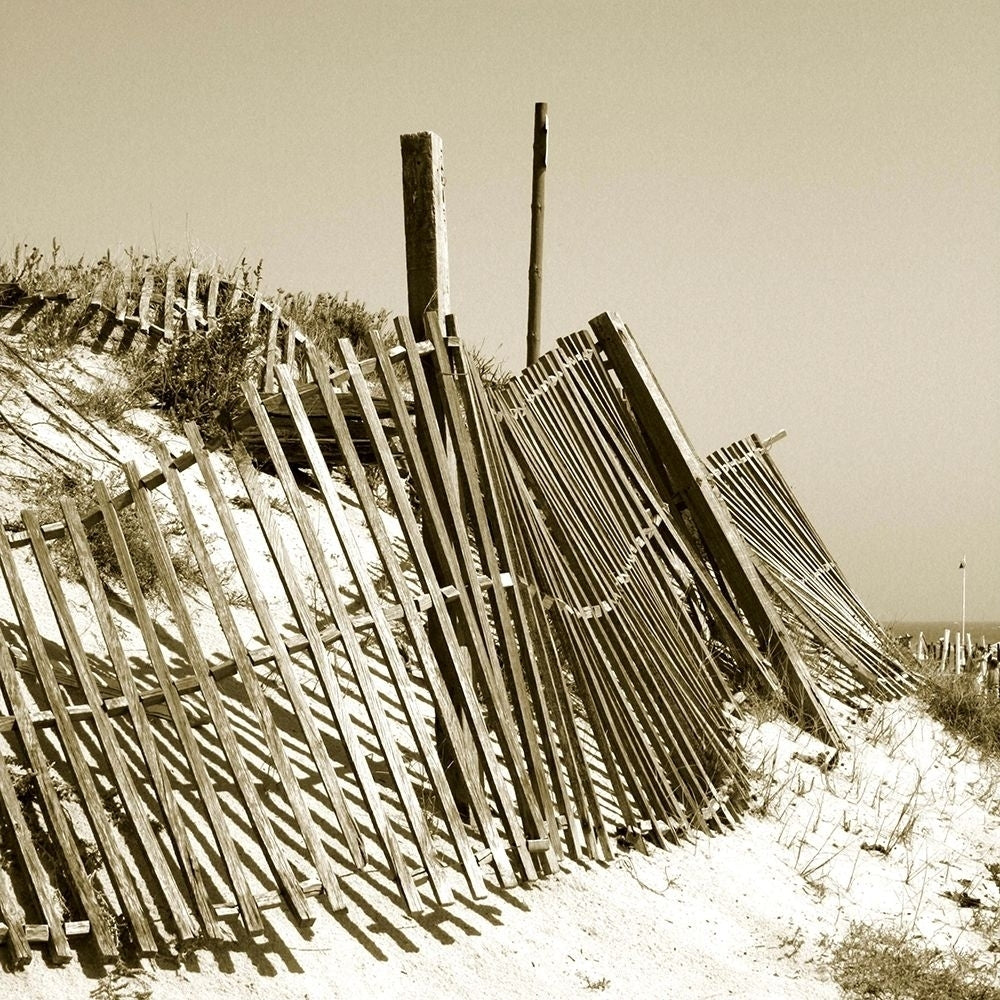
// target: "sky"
[[793, 205]]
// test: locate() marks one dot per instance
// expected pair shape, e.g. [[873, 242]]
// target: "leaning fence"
[[433, 634]]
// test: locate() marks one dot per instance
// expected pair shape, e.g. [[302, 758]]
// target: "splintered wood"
[[416, 635]]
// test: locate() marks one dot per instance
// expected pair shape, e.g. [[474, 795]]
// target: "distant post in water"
[[540, 161], [961, 566]]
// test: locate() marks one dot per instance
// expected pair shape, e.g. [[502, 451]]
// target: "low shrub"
[[199, 375], [326, 318], [882, 963], [965, 708]]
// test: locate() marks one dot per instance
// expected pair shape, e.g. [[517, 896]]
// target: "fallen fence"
[[853, 655], [546, 585]]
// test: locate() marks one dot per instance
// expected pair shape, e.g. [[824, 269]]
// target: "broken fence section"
[[531, 653], [853, 656], [628, 669]]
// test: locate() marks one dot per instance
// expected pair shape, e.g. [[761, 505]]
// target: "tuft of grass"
[[199, 375], [493, 372], [762, 704], [123, 981], [30, 271], [112, 399], [325, 318], [83, 493], [877, 962], [965, 709]]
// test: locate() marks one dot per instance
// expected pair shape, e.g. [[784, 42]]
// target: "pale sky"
[[794, 206]]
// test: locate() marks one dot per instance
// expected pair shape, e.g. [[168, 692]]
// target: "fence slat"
[[182, 725], [251, 684], [58, 822], [360, 767], [90, 797], [120, 773], [273, 852]]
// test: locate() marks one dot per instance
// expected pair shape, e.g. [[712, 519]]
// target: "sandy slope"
[[753, 913]]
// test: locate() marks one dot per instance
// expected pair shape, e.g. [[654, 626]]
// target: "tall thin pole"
[[962, 568], [541, 155]]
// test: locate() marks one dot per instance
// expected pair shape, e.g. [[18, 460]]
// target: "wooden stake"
[[688, 480], [428, 289], [541, 155]]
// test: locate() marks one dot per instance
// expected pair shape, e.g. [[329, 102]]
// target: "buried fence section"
[[158, 303]]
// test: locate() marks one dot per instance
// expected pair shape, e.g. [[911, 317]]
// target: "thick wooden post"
[[427, 284], [428, 289], [690, 485], [541, 155]]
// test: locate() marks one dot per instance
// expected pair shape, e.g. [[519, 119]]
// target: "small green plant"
[[122, 982], [83, 493], [112, 399], [878, 962], [31, 272], [326, 318]]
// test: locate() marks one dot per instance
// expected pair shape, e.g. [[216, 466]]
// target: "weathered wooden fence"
[[322, 673], [156, 303], [556, 593], [605, 568], [853, 656]]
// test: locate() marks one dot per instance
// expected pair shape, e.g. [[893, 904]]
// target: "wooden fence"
[[269, 728], [853, 657]]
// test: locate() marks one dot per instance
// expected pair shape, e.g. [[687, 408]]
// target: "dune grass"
[[873, 962], [965, 708]]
